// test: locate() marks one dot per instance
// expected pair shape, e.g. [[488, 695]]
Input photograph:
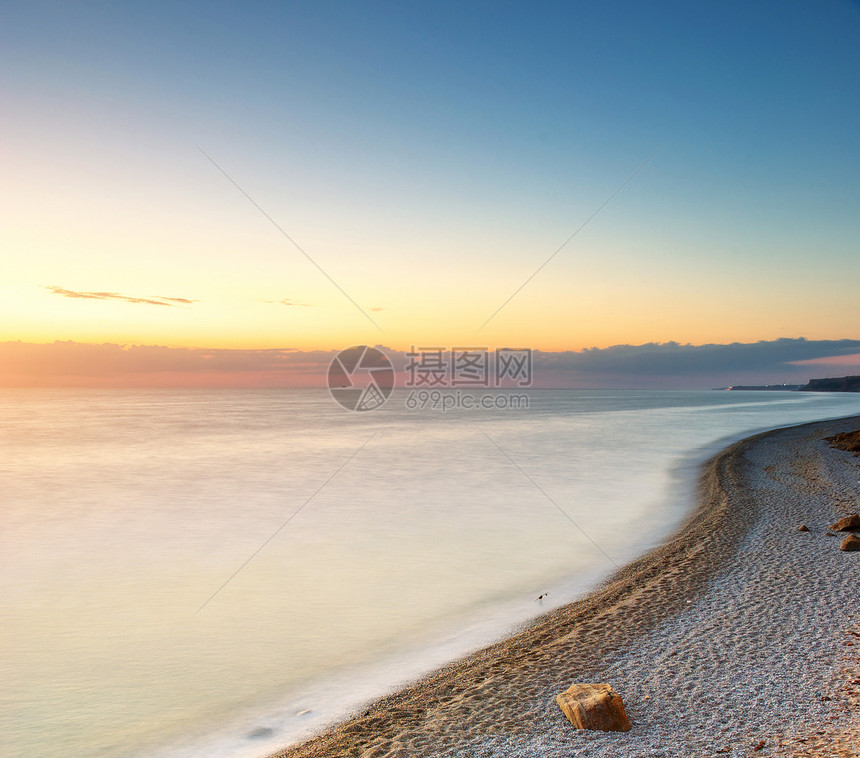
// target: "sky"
[[289, 179]]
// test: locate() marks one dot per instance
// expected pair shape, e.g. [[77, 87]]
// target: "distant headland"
[[838, 384], [834, 384], [765, 387]]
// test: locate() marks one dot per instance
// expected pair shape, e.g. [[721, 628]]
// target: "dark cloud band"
[[652, 365]]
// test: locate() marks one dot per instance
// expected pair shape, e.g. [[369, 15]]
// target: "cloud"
[[180, 300], [852, 359], [76, 364], [285, 301], [672, 358], [654, 365], [112, 359], [151, 300]]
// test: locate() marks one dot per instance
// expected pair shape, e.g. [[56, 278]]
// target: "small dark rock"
[[260, 733], [803, 528], [830, 534]]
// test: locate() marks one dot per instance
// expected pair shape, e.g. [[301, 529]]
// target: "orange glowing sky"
[[430, 170]]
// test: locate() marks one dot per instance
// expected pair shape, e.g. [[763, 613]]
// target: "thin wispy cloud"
[[287, 301], [149, 300], [180, 300]]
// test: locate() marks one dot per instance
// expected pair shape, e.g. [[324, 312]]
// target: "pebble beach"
[[740, 635]]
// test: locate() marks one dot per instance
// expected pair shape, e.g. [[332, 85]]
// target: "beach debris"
[[760, 746], [848, 524], [541, 597], [803, 528], [850, 544], [593, 706], [848, 441]]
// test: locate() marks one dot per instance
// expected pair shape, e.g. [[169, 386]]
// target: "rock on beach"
[[594, 706]]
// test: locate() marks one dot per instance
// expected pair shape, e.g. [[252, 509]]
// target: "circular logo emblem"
[[360, 378]]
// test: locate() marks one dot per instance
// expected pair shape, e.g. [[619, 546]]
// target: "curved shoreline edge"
[[571, 643]]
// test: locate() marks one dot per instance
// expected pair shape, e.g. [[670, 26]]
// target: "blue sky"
[[429, 157]]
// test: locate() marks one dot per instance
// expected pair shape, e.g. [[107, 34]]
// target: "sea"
[[189, 573]]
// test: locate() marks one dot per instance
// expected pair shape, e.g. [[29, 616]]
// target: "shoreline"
[[494, 701]]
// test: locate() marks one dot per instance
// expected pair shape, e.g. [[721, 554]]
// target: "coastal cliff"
[[836, 384]]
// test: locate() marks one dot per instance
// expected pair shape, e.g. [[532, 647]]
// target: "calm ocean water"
[[412, 538]]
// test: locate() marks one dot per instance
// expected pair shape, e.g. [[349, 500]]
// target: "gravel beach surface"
[[739, 636]]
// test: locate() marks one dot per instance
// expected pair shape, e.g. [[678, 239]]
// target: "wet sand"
[[738, 636]]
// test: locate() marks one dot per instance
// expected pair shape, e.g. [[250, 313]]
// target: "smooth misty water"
[[123, 511]]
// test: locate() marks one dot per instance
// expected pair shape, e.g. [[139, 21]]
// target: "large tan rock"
[[848, 524], [850, 543], [593, 706]]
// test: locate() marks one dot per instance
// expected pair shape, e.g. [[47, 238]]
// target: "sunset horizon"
[[644, 199], [429, 379], [670, 365]]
